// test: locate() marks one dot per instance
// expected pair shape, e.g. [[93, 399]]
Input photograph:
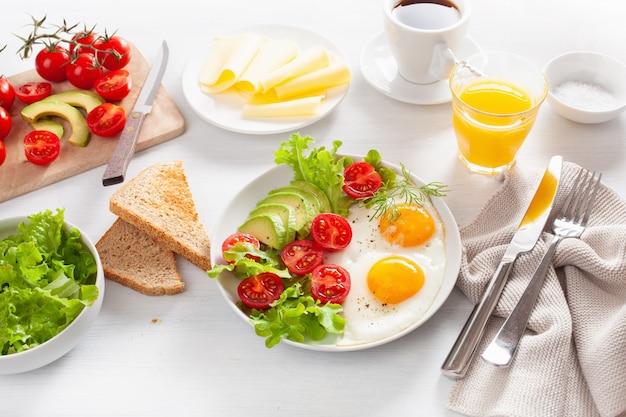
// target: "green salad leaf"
[[47, 277]]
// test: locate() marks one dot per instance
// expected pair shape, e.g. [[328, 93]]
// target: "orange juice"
[[491, 119]]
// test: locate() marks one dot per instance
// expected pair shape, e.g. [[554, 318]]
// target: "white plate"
[[238, 209], [381, 71], [224, 110]]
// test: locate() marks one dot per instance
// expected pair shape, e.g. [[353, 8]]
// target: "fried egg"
[[396, 268]]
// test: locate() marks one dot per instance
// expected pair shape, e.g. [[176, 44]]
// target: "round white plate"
[[381, 72], [237, 211], [224, 109]]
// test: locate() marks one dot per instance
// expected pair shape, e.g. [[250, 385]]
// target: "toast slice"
[[134, 259], [159, 203]]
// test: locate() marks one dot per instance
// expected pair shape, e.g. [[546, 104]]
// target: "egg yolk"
[[412, 227], [394, 279]]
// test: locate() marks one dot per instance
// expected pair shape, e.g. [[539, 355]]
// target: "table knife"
[[528, 232], [125, 149]]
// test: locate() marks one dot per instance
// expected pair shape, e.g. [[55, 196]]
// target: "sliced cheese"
[[335, 74], [273, 54], [227, 61], [310, 60], [306, 106]]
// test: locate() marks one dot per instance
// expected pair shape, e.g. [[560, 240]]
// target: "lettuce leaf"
[[47, 278]]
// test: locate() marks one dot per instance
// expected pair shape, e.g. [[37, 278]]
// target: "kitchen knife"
[[125, 149], [528, 232]]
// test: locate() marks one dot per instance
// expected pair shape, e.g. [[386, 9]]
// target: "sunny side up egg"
[[396, 272]]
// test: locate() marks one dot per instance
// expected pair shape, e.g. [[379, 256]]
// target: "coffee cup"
[[424, 35]]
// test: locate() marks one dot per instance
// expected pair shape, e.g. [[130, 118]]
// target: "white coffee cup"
[[424, 36]]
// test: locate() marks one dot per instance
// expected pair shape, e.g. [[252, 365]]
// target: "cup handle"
[[442, 61]]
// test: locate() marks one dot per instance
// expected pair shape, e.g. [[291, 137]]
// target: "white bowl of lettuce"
[[51, 289]]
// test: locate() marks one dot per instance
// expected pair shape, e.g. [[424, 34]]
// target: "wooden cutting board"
[[18, 176]]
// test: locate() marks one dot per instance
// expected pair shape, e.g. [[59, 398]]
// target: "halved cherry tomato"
[[3, 152], [301, 256], [41, 147], [261, 290], [114, 85], [361, 180], [106, 120], [7, 93], [331, 231], [83, 71], [237, 237], [33, 91], [50, 63], [330, 283], [114, 52], [5, 123]]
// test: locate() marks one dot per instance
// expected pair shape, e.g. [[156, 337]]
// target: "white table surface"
[[189, 355]]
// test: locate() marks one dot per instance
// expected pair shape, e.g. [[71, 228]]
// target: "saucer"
[[381, 71]]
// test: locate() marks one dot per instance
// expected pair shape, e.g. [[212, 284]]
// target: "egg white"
[[367, 318]]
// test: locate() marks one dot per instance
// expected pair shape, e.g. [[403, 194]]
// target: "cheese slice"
[[310, 60], [335, 74], [306, 106], [227, 61], [273, 54]]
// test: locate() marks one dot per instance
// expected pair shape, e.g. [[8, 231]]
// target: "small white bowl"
[[65, 341], [586, 87]]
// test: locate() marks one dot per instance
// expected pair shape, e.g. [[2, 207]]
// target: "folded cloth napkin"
[[572, 358]]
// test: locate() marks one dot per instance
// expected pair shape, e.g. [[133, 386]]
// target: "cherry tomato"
[[83, 71], [5, 123], [106, 120], [330, 283], [7, 93], [33, 91], [301, 256], [113, 85], [261, 290], [331, 231], [361, 180], [3, 152], [114, 52], [50, 63], [237, 237], [84, 37], [41, 147]]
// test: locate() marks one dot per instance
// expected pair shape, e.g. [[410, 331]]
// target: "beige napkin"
[[572, 359]]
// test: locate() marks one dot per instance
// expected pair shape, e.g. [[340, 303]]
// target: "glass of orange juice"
[[495, 100]]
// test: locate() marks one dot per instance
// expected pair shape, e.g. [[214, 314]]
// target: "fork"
[[570, 222]]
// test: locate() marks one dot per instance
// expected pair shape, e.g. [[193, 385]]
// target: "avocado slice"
[[305, 211], [80, 132], [286, 213], [85, 99], [48, 124], [312, 199], [268, 228]]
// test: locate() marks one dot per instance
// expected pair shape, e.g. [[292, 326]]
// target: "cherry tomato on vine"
[[237, 237], [84, 37], [261, 290], [331, 231], [7, 93], [113, 85], [83, 71], [50, 63], [5, 123], [330, 283], [301, 256], [113, 52], [34, 91], [361, 180], [106, 120], [3, 152], [41, 147]]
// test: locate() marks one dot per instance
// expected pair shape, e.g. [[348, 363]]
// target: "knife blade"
[[528, 232], [125, 148]]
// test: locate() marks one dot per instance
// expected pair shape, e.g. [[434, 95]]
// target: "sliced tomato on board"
[[331, 231], [34, 91], [261, 290], [41, 147], [361, 180], [114, 85], [106, 120], [301, 256], [330, 283]]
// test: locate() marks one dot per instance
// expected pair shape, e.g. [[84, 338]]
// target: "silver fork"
[[570, 222]]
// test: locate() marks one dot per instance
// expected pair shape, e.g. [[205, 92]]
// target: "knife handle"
[[124, 151], [456, 364]]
